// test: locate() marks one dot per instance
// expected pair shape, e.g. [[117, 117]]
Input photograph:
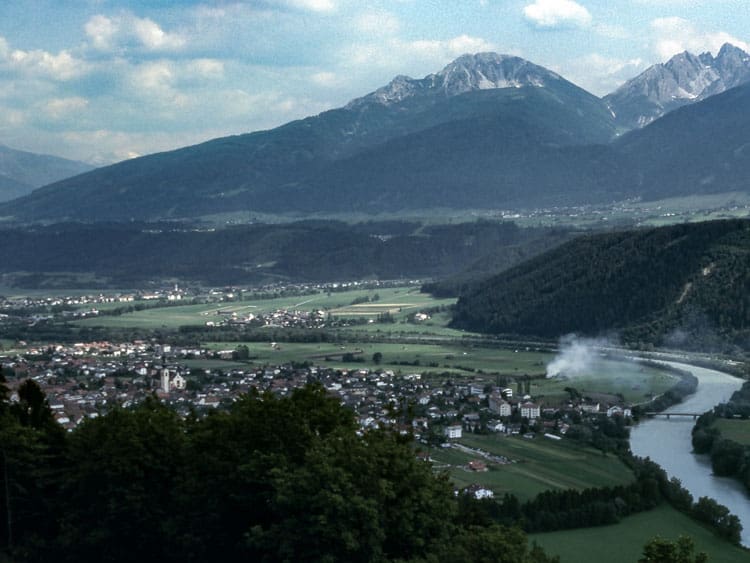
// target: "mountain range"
[[684, 79], [487, 131], [21, 172]]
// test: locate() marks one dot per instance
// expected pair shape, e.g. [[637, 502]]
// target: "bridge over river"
[[666, 414]]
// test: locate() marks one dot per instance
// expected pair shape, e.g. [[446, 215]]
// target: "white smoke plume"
[[576, 356]]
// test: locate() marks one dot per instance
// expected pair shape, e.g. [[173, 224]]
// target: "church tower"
[[165, 380]]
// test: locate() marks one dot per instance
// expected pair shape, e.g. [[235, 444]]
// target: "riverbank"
[[668, 442]]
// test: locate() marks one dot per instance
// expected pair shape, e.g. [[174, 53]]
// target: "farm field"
[[210, 364], [623, 542], [635, 382], [479, 364], [539, 464], [435, 326], [399, 302], [15, 292], [735, 430], [404, 357]]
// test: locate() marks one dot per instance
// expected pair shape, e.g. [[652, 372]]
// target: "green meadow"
[[736, 430], [623, 542], [635, 382], [405, 357], [398, 302], [538, 464]]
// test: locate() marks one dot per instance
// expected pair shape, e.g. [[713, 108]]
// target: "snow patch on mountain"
[[684, 79], [482, 71]]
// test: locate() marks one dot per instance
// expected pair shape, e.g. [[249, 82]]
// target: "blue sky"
[[104, 80]]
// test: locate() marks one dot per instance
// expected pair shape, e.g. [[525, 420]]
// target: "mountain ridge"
[[247, 171], [481, 71], [683, 79], [649, 284], [487, 131], [22, 171]]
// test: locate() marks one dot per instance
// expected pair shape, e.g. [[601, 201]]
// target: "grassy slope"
[[540, 464], [622, 543], [735, 430]]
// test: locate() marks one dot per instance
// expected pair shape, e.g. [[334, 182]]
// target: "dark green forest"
[[132, 253], [685, 285], [271, 479]]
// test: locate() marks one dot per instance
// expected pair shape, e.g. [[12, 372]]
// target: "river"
[[668, 442]]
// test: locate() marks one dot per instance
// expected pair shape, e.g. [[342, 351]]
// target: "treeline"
[[728, 458], [684, 285], [570, 509], [687, 385], [272, 479], [127, 255]]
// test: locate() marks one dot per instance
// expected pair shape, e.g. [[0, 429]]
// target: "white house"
[[499, 405], [479, 492], [590, 408], [619, 411], [530, 410], [453, 431], [496, 426]]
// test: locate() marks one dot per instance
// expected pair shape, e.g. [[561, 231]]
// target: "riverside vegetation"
[[722, 433]]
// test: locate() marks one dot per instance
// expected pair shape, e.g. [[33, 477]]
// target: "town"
[[83, 380]]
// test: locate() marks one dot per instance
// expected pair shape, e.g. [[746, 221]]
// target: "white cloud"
[[58, 108], [557, 13], [62, 66], [325, 79], [110, 33], [674, 35], [313, 5], [417, 57], [154, 82], [600, 74], [10, 118], [377, 23], [452, 48], [101, 30], [611, 31], [154, 37], [212, 69]]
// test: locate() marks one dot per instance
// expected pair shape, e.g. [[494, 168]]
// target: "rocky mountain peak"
[[484, 71], [480, 71], [681, 80]]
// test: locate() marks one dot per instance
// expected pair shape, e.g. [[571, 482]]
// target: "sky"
[[105, 80]]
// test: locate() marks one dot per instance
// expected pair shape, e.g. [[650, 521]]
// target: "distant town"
[[83, 380]]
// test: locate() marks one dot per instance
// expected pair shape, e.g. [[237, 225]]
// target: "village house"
[[477, 465], [590, 408], [530, 410], [619, 411], [453, 432], [499, 405], [479, 492]]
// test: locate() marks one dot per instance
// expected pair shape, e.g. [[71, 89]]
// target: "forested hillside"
[[129, 254], [682, 285]]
